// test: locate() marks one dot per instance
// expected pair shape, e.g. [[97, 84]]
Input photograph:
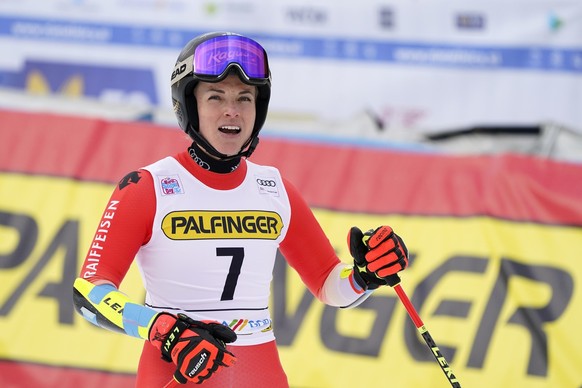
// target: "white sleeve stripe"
[[337, 289]]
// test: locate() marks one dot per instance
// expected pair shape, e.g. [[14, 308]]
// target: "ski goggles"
[[213, 58]]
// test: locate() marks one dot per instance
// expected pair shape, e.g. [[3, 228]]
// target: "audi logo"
[[266, 182]]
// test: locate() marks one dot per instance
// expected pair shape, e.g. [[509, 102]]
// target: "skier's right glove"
[[197, 348]]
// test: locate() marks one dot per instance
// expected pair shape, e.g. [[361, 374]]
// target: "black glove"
[[378, 256], [198, 348]]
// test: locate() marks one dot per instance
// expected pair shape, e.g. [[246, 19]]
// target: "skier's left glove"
[[379, 255], [197, 348]]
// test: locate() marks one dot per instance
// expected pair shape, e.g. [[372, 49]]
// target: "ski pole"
[[172, 383], [426, 335]]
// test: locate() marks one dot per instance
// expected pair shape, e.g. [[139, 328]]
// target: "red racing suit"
[[205, 245]]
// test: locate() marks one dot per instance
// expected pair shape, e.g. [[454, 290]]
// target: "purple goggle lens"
[[214, 56]]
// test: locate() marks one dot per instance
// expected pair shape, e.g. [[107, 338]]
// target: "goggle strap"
[[182, 69]]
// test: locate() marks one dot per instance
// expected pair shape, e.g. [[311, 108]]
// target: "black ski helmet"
[[210, 58]]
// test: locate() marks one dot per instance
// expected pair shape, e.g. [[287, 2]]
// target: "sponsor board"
[[497, 296], [490, 64], [494, 245], [107, 83], [46, 228]]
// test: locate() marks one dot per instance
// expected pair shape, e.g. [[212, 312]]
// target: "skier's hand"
[[197, 348], [379, 255]]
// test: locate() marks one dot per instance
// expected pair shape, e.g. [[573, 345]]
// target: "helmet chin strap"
[[251, 143]]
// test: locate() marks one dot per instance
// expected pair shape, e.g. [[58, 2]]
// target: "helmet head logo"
[[181, 70]]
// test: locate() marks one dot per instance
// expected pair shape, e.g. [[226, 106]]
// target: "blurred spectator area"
[[550, 140]]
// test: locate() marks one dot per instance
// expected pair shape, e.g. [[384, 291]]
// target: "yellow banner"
[[48, 224], [499, 294], [499, 298]]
